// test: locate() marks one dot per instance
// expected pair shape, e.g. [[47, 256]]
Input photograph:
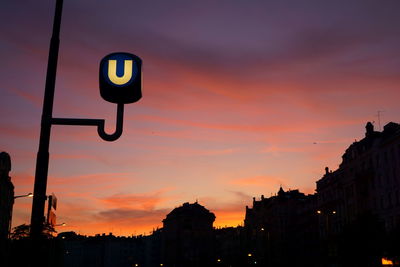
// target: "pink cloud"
[[261, 180], [146, 201]]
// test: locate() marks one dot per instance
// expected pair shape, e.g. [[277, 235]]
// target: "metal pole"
[[42, 160]]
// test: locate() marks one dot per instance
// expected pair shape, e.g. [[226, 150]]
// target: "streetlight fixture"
[[326, 212], [27, 195], [61, 224], [15, 197]]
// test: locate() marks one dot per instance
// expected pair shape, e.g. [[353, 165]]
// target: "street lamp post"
[[113, 88], [42, 160]]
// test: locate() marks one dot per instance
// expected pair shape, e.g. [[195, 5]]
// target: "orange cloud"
[[146, 201]]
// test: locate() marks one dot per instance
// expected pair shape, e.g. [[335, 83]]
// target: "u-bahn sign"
[[120, 78]]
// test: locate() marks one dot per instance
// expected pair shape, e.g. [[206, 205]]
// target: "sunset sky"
[[239, 97]]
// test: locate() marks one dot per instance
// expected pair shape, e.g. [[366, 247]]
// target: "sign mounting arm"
[[100, 123]]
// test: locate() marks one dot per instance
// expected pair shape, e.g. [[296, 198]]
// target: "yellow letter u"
[[112, 72]]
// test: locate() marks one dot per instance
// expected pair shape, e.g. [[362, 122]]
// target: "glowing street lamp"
[[320, 212], [27, 195]]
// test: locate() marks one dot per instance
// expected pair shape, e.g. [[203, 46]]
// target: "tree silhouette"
[[22, 231]]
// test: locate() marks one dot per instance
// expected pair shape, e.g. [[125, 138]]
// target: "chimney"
[[369, 129]]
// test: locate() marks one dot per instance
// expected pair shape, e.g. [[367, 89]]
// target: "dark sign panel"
[[51, 210], [120, 78], [51, 218], [53, 201]]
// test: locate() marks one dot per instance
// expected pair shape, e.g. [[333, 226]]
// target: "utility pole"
[[42, 160], [113, 88]]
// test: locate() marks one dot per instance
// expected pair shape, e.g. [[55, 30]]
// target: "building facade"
[[188, 236], [281, 229], [359, 203]]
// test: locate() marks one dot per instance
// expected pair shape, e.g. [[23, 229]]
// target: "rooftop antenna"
[[378, 114]]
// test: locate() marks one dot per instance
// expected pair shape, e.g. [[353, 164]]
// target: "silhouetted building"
[[6, 205], [363, 193], [282, 229], [6, 195], [103, 250], [153, 245], [230, 247], [188, 236]]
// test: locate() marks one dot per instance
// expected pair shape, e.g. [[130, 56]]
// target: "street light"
[[27, 195], [327, 214], [15, 197], [61, 224]]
